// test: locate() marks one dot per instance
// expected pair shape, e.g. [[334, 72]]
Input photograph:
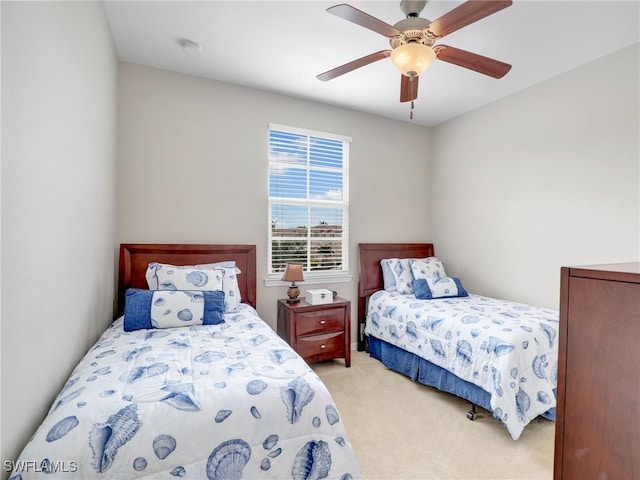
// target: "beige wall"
[[192, 159], [544, 178], [509, 193], [58, 201]]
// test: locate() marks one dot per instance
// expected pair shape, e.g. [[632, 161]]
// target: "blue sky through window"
[[305, 167]]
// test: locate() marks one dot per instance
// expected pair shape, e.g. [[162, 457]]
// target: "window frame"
[[311, 276]]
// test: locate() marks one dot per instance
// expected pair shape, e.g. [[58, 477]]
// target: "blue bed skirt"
[[425, 372]]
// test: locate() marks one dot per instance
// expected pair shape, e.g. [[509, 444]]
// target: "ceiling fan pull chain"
[[411, 112]]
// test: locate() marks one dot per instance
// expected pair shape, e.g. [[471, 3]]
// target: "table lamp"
[[293, 274]]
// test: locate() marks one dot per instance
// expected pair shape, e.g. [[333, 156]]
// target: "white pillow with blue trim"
[[146, 309], [438, 287], [215, 276]]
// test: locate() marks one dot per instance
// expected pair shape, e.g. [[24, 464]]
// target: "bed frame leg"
[[471, 414]]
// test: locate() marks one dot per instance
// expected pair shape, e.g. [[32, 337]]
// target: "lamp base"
[[293, 293]]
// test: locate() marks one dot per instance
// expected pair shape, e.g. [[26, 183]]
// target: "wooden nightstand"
[[317, 332]]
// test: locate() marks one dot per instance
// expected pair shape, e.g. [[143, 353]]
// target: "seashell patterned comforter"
[[213, 402], [508, 349]]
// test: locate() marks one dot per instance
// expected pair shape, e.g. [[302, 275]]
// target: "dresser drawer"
[[317, 347], [321, 321]]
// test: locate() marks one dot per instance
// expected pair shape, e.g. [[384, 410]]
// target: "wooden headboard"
[[135, 257], [370, 280]]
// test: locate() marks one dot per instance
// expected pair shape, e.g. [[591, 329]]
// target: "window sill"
[[276, 281]]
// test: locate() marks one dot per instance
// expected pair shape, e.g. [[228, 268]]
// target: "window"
[[308, 200]]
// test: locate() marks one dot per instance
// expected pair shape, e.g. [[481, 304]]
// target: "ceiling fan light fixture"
[[413, 58]]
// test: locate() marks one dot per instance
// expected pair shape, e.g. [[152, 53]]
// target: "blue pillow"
[[438, 287], [146, 309]]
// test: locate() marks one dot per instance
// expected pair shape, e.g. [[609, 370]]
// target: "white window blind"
[[308, 200]]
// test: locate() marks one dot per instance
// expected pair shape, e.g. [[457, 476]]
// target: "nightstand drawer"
[[318, 346], [321, 321]]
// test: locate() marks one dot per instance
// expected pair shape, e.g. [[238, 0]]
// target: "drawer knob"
[[322, 322], [322, 346]]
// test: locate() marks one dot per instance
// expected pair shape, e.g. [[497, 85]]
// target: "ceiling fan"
[[413, 41]]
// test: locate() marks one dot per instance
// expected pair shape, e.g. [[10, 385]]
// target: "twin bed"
[[218, 397], [499, 355]]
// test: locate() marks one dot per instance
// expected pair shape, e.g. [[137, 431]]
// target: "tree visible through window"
[[308, 199]]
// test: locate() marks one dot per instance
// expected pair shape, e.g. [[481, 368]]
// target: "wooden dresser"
[[598, 410], [317, 332]]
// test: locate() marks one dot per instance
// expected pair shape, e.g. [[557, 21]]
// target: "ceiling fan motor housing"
[[413, 31]]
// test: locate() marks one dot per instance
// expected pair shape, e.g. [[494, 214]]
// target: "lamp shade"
[[412, 58], [293, 273]]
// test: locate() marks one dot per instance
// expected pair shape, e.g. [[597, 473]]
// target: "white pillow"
[[401, 272], [171, 277], [227, 264], [232, 297], [398, 274], [425, 268], [231, 289], [226, 272], [388, 279]]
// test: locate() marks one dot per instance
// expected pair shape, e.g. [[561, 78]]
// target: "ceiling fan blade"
[[472, 61], [363, 19], [408, 88], [348, 67], [465, 14]]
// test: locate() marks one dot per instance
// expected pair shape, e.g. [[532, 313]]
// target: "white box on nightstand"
[[319, 296]]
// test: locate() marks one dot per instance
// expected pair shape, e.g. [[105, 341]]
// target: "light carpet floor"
[[402, 430]]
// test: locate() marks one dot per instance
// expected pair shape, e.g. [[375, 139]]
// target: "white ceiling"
[[280, 46]]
